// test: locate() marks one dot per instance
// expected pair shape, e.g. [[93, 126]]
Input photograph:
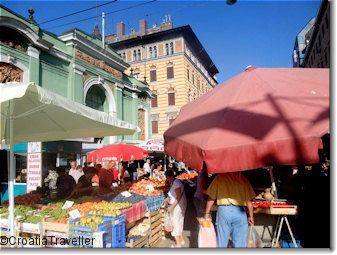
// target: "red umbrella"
[[123, 152], [261, 117]]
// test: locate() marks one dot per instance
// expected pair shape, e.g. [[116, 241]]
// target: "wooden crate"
[[142, 242]]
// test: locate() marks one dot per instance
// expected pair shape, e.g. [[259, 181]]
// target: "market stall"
[[129, 216], [263, 117]]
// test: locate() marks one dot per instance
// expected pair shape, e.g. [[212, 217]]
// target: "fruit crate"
[[153, 203], [134, 213], [116, 230]]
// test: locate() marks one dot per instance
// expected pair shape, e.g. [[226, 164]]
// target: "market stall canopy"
[[41, 115], [261, 117], [155, 144], [118, 152]]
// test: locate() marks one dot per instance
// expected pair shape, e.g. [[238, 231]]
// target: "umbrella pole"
[[273, 185], [11, 178]]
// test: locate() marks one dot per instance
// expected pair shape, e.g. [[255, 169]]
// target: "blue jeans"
[[232, 220]]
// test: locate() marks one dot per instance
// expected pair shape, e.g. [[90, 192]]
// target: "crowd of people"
[[230, 192]]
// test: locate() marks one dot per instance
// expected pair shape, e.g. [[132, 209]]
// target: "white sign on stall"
[[34, 166]]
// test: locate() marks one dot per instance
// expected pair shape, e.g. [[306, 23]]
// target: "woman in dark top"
[[84, 186]]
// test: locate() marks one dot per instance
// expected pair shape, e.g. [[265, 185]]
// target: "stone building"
[[172, 61], [317, 53]]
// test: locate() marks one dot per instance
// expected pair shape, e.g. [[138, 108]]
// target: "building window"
[[134, 55], [124, 56], [139, 56], [171, 98], [170, 72], [167, 50], [155, 51], [188, 74], [150, 52], [198, 87], [171, 48], [95, 98], [193, 79], [153, 75], [154, 101], [155, 127], [171, 121]]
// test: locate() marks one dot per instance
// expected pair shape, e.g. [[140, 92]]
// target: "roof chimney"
[[143, 27], [120, 29]]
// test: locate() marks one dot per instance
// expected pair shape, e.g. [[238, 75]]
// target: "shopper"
[[147, 168], [65, 183], [132, 169], [233, 194], [84, 186], [51, 179], [75, 171], [106, 178], [158, 172], [200, 196], [177, 204]]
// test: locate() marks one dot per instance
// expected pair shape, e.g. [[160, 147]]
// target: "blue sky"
[[259, 33]]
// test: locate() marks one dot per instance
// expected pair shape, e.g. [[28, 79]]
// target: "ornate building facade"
[[172, 61]]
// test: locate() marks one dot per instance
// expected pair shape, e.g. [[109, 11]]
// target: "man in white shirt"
[[147, 167], [75, 172]]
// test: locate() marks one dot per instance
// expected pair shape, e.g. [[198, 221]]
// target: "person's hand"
[[251, 220], [170, 209], [207, 216]]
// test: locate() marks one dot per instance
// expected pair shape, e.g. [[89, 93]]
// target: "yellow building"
[[172, 61]]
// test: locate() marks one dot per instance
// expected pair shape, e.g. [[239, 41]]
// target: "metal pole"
[[103, 28], [11, 175], [270, 169]]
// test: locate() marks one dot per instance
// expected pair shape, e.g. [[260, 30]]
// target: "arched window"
[[96, 98], [171, 48], [134, 55], [167, 49], [155, 51], [139, 56], [150, 52]]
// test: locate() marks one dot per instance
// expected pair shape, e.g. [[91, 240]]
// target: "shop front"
[[32, 161]]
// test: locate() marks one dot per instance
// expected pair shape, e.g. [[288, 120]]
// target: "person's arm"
[[210, 203], [250, 212], [179, 194]]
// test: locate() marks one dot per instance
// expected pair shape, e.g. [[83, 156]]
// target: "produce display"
[[261, 204], [84, 208], [28, 199], [3, 210], [109, 209], [185, 176], [143, 188], [134, 198], [91, 222]]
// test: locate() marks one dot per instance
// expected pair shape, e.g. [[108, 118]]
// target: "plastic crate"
[[116, 231], [105, 226]]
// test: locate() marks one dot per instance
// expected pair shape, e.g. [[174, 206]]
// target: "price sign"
[[74, 214], [126, 194], [67, 204], [150, 187]]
